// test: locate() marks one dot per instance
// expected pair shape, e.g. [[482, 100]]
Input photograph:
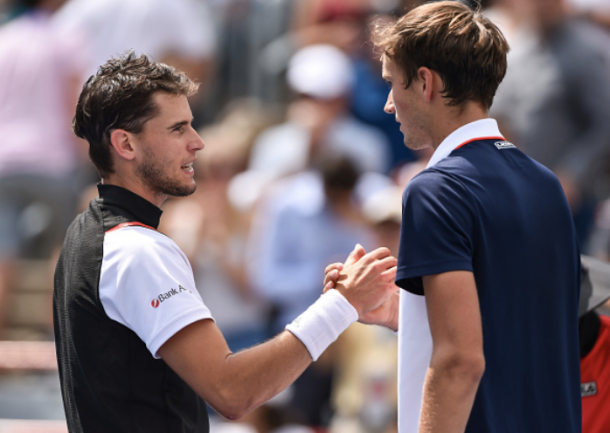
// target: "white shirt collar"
[[478, 129]]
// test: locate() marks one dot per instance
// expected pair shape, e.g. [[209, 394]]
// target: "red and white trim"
[[484, 129]]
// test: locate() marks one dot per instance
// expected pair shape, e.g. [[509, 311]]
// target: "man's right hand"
[[367, 282]]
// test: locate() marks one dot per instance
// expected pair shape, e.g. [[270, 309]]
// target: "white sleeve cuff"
[[323, 322]]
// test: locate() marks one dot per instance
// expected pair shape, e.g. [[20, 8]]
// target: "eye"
[[179, 128]]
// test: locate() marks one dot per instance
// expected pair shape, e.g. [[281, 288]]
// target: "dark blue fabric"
[[503, 216]]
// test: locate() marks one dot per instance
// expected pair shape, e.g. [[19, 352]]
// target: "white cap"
[[321, 71], [384, 205]]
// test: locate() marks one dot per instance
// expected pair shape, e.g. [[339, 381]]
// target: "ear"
[[122, 143], [427, 83]]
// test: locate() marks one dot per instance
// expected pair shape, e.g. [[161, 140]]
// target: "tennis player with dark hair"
[[487, 238], [138, 350]]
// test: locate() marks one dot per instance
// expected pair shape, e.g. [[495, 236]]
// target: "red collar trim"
[[498, 137], [130, 224]]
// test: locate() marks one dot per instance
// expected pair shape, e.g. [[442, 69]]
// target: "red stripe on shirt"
[[130, 224], [479, 139]]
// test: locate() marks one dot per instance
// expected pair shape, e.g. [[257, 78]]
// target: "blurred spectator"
[[336, 22], [594, 340], [383, 211], [368, 100], [597, 11], [594, 333], [408, 171], [304, 223], [246, 28], [318, 122], [343, 24], [553, 106], [364, 393], [39, 80], [599, 245], [271, 417], [180, 33], [3, 11]]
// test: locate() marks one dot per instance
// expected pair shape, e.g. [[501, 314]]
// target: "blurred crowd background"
[[300, 164]]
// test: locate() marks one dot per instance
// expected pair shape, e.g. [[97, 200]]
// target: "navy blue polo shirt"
[[490, 209]]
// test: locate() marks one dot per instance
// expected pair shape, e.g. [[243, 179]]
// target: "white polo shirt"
[[147, 285]]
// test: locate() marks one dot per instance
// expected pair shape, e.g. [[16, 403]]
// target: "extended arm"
[[457, 362], [234, 384]]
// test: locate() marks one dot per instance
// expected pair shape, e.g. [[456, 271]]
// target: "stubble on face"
[[415, 137], [153, 173]]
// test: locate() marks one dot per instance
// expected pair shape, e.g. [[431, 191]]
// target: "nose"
[[196, 142], [389, 104]]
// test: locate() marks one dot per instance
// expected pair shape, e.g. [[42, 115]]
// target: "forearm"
[[253, 376], [449, 393], [458, 361], [263, 371], [234, 384]]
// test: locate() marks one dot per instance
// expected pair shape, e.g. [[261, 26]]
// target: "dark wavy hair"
[[120, 96], [466, 49]]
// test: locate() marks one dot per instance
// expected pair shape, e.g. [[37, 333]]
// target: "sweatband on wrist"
[[323, 322]]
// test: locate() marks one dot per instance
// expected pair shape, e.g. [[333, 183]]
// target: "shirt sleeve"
[[437, 228], [147, 285]]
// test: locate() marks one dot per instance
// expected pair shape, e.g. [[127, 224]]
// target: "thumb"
[[355, 255]]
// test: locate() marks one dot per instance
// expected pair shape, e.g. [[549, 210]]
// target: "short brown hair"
[[466, 49], [120, 96]]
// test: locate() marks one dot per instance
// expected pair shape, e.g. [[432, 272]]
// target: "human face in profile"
[[405, 104], [168, 144]]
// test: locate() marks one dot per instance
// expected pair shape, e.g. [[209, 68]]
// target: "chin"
[[414, 143], [176, 190], [186, 191]]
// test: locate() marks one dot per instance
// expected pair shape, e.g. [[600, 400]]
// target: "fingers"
[[355, 255], [331, 277], [338, 266], [387, 262], [374, 264], [379, 253], [389, 274]]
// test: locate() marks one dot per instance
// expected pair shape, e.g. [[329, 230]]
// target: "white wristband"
[[323, 322]]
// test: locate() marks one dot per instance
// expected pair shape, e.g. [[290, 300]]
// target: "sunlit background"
[[300, 164]]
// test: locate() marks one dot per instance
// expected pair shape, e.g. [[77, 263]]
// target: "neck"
[[454, 118], [135, 186]]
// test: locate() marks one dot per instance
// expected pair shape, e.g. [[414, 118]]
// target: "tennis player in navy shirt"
[[487, 239]]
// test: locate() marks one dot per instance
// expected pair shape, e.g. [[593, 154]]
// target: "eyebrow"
[[183, 123]]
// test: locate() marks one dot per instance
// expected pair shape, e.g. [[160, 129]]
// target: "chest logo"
[[504, 145], [167, 295], [588, 389]]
